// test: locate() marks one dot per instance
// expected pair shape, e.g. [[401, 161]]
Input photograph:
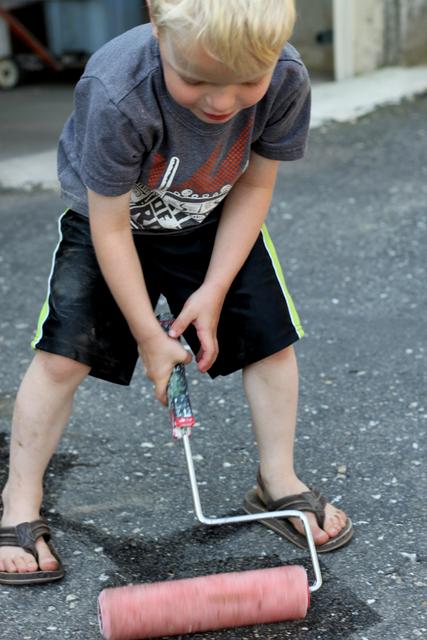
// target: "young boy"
[[168, 165]]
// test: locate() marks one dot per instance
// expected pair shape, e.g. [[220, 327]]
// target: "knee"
[[285, 356], [272, 368], [60, 369]]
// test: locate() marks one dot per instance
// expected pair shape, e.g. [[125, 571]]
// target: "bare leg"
[[271, 387], [42, 408]]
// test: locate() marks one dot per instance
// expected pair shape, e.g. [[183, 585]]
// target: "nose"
[[221, 100]]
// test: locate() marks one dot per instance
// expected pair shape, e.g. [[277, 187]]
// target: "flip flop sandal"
[[311, 501], [25, 535]]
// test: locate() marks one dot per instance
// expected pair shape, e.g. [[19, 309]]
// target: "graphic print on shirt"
[[165, 203]]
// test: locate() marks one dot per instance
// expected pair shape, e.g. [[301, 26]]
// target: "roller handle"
[[180, 411]]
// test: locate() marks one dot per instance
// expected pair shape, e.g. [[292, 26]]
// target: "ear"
[[153, 24]]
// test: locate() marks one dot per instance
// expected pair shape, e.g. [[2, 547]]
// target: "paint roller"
[[207, 603]]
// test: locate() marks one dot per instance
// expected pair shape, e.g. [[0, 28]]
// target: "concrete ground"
[[350, 228]]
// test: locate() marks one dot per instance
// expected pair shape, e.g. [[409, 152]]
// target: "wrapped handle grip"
[[180, 411]]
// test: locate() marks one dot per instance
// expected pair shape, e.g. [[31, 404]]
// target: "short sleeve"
[[109, 147], [284, 136]]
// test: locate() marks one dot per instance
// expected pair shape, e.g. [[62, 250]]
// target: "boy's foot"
[[331, 528], [27, 555]]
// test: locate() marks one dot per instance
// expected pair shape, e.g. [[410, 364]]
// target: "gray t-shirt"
[[126, 133]]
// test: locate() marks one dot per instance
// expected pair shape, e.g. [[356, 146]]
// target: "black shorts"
[[81, 320]]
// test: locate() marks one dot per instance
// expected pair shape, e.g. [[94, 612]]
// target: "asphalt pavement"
[[349, 224]]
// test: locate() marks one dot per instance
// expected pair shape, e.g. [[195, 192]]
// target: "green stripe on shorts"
[[281, 278], [45, 308], [42, 317]]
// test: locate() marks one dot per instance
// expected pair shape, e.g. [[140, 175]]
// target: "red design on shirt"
[[158, 168], [211, 176]]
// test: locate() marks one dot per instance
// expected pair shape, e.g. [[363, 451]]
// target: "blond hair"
[[245, 35]]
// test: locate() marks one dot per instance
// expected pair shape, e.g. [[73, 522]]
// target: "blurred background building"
[[338, 39], [59, 35], [344, 38]]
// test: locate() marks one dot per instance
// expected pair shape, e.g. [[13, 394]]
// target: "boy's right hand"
[[160, 354]]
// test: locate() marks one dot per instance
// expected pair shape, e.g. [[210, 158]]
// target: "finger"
[[161, 385], [188, 357], [180, 324], [161, 390], [207, 354], [160, 394], [205, 363], [184, 356]]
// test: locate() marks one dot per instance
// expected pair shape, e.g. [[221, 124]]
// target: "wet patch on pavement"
[[336, 612]]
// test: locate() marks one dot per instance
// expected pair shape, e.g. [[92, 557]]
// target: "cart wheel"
[[10, 73]]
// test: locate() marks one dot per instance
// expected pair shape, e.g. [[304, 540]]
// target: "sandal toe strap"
[[25, 535], [311, 501]]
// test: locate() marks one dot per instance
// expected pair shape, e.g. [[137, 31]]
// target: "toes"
[[334, 523], [31, 566], [319, 536], [343, 518], [30, 563], [47, 562], [10, 566], [24, 565], [18, 561]]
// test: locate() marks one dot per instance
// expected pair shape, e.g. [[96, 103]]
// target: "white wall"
[[367, 34], [358, 36]]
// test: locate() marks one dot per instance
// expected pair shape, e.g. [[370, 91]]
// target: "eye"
[[253, 83], [193, 83]]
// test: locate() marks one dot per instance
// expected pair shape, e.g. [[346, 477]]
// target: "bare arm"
[[120, 266], [243, 214]]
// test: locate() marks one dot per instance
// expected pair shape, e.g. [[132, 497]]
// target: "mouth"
[[218, 118]]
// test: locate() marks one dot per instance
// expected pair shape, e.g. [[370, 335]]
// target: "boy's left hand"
[[202, 309]]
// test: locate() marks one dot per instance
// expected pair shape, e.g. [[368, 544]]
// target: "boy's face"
[[208, 88]]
